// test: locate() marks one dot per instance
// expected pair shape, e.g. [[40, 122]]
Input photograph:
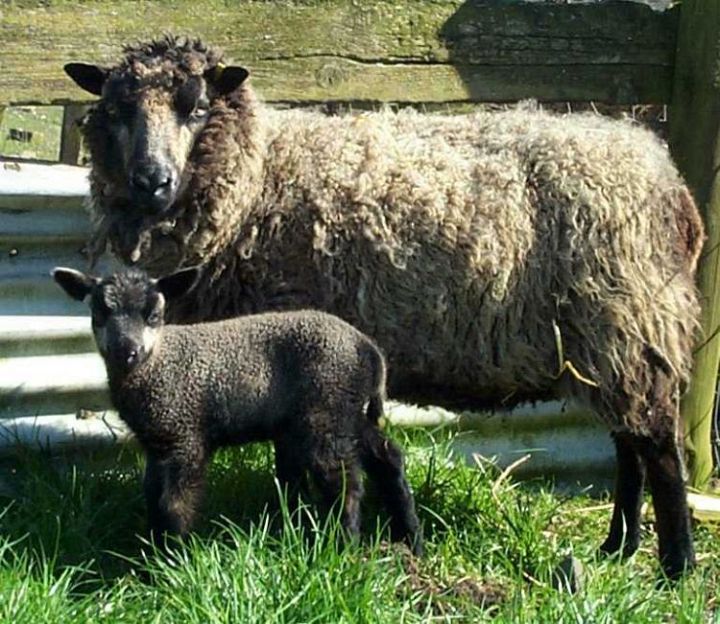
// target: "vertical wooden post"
[[70, 138], [695, 143]]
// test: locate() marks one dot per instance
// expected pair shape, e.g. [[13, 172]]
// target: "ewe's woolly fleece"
[[458, 242]]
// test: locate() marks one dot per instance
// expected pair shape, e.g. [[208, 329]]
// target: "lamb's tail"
[[376, 362]]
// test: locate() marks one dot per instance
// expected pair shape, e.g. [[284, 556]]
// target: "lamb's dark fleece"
[[306, 380]]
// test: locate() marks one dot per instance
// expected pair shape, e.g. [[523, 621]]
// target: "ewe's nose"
[[151, 181]]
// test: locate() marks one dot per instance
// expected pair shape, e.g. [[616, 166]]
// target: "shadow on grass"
[[88, 511]]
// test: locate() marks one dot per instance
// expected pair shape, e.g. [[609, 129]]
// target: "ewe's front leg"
[[173, 488]]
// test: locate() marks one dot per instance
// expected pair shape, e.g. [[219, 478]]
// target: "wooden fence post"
[[695, 143], [70, 138]]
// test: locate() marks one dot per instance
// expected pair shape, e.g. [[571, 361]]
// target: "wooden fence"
[[445, 53]]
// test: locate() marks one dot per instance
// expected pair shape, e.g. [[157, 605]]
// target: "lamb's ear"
[[88, 77], [179, 283], [226, 79], [74, 283]]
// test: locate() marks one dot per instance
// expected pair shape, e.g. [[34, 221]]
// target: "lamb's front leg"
[[173, 489]]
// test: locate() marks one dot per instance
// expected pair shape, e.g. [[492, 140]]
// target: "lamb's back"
[[246, 375]]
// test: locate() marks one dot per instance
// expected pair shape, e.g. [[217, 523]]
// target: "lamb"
[[494, 257], [306, 380]]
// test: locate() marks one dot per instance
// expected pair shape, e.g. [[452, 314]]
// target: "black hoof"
[[621, 550]]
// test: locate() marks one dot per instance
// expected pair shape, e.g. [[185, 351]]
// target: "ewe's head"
[[127, 309], [153, 105]]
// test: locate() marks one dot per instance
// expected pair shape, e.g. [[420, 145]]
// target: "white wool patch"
[[150, 336]]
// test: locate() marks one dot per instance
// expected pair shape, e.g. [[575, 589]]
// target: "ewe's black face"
[[151, 131], [148, 118]]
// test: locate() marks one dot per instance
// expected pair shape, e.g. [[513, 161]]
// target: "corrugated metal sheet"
[[49, 371]]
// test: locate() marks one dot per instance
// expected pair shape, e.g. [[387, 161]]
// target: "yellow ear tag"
[[217, 72]]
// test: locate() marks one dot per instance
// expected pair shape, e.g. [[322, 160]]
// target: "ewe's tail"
[[375, 362], [690, 227]]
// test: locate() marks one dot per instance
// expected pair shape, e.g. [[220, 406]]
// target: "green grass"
[[43, 121], [71, 551]]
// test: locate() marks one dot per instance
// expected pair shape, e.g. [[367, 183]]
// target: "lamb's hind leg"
[[339, 479], [629, 482], [383, 462]]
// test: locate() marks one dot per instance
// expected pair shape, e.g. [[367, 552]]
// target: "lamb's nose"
[[132, 356]]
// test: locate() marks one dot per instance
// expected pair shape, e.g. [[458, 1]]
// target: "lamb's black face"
[[127, 316], [127, 310]]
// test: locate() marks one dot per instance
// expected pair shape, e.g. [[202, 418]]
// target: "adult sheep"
[[464, 245]]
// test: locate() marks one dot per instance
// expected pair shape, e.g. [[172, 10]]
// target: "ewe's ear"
[[88, 77], [179, 283], [74, 283], [226, 79]]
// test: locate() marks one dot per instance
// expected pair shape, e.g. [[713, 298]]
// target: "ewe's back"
[[461, 242]]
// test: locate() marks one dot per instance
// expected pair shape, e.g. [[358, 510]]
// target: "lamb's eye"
[[154, 319]]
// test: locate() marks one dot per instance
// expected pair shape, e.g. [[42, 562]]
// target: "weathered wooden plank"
[[380, 50], [695, 143]]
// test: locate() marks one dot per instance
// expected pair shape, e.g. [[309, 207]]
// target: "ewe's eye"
[[199, 113], [191, 104], [122, 111]]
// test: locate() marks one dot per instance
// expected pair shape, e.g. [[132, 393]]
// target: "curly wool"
[[458, 242]]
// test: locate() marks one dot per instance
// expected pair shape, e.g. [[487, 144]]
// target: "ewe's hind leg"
[[383, 462], [672, 518], [629, 481], [173, 489]]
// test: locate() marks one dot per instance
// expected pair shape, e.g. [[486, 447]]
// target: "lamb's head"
[[153, 106], [127, 310]]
